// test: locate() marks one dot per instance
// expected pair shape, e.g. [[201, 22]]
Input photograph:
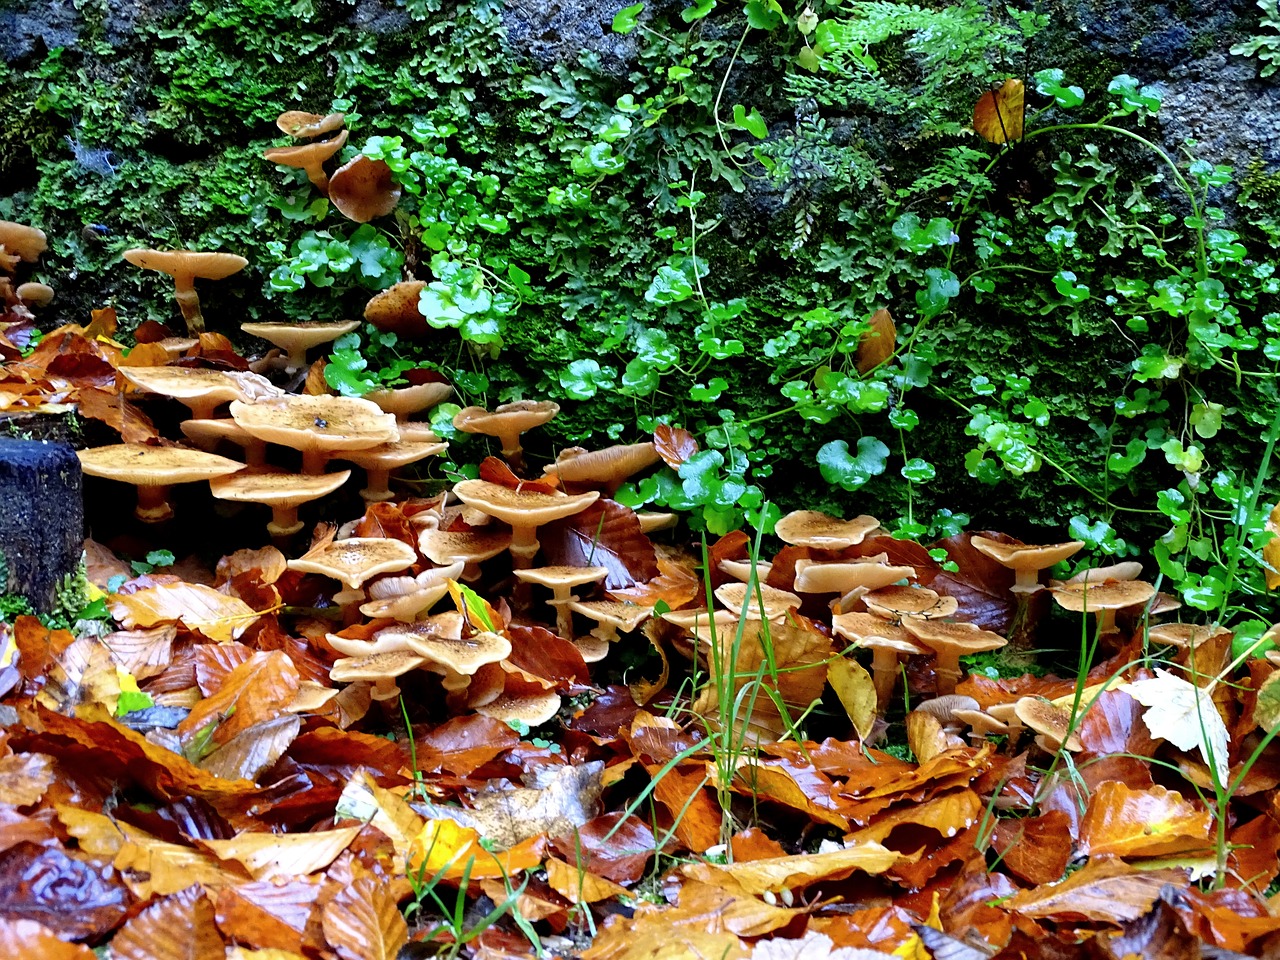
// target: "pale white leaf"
[[1183, 714]]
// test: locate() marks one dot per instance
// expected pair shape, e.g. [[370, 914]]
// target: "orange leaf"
[[284, 855], [1123, 822], [156, 868], [362, 922], [876, 345], [26, 938], [675, 445], [258, 690], [216, 615], [579, 885], [786, 873], [180, 927], [998, 115], [1103, 890], [269, 915]]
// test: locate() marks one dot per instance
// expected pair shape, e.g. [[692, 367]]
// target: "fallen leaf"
[[998, 114], [606, 534], [1183, 714], [675, 445], [362, 799], [812, 946], [363, 922], [216, 615], [876, 345], [788, 873], [258, 690], [78, 900], [179, 927], [269, 915], [445, 849], [857, 692], [1102, 890], [579, 885], [270, 856], [1036, 849], [1155, 822], [23, 939]]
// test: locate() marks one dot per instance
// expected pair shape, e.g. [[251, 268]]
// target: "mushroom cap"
[[653, 522], [404, 402], [356, 559], [519, 416], [953, 634], [945, 707], [623, 617], [895, 603], [610, 465], [390, 456], [1124, 570], [395, 309], [304, 126], [1111, 595], [187, 383], [292, 336], [532, 709], [23, 242], [809, 528], [470, 546], [317, 422], [277, 489], [1183, 635], [211, 430], [741, 569], [562, 576], [154, 466], [362, 189], [872, 632], [770, 604], [522, 508], [464, 655], [981, 723], [306, 154], [405, 598], [187, 263], [592, 648], [815, 577], [1026, 556], [376, 666], [35, 294], [699, 620], [1044, 718]]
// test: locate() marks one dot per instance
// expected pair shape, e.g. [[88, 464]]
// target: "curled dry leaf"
[[788, 873], [1103, 890], [268, 856]]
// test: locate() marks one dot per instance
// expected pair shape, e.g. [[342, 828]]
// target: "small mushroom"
[[472, 547], [888, 645], [606, 469], [507, 422], [612, 617], [1051, 723], [395, 309], [456, 656], [809, 528], [561, 580], [363, 189], [899, 603], [310, 158], [297, 338], [407, 598], [379, 669], [945, 709], [404, 402], [379, 461], [523, 510], [34, 295], [951, 641], [201, 391], [1103, 599], [530, 709], [981, 725], [1124, 570], [769, 604], [851, 580], [304, 126], [153, 470], [317, 426], [282, 492], [187, 266], [206, 434], [651, 522], [20, 242], [741, 570], [1026, 560], [353, 562]]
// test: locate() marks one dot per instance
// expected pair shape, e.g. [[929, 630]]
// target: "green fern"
[[1265, 48]]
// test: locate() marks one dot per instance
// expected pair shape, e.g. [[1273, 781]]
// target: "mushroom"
[[530, 709], [187, 266], [611, 617], [317, 426], [1103, 599], [950, 641], [1124, 570], [561, 580], [353, 562], [440, 643], [380, 669], [1183, 635], [309, 157], [888, 645], [21, 242], [153, 470], [1007, 714], [1026, 560], [701, 626], [899, 603], [407, 598], [282, 492], [379, 461], [851, 580], [769, 604], [201, 391], [469, 546], [404, 402], [395, 309], [981, 725], [297, 338], [523, 510], [606, 468], [362, 189], [651, 522], [809, 528], [34, 295], [507, 422], [945, 709], [1052, 723], [205, 434], [304, 126], [740, 570]]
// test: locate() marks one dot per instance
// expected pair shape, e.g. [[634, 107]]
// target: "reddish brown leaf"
[[606, 534], [151, 331], [119, 414], [179, 927], [74, 898], [876, 345], [496, 471], [259, 689], [675, 585], [542, 653], [981, 586], [621, 857], [675, 445], [1253, 859], [269, 915], [385, 520], [214, 663], [216, 615], [363, 922], [29, 940], [1103, 890], [24, 778], [1037, 849]]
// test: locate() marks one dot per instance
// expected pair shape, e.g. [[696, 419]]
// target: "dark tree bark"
[[41, 518]]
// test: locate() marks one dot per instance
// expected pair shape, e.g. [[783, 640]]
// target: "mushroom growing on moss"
[[507, 422], [304, 126], [362, 189], [187, 266], [523, 510], [1026, 560], [310, 158]]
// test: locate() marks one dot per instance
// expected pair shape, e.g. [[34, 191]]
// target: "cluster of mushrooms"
[[20, 244]]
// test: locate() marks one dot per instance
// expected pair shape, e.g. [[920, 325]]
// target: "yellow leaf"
[[1271, 549], [446, 848], [857, 692], [218, 616], [998, 114]]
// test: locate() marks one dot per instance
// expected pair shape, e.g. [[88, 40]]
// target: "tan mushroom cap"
[[523, 510], [153, 470], [613, 616], [200, 390], [809, 528], [380, 669], [651, 522], [404, 402], [507, 421], [470, 546], [357, 559], [532, 709], [304, 126], [464, 655], [865, 628], [945, 708], [608, 467], [407, 598], [363, 189], [898, 603], [592, 648], [19, 240], [316, 425], [206, 434], [563, 576], [379, 461], [738, 599], [187, 266], [35, 294], [395, 309], [1049, 721], [1124, 570], [296, 338], [1183, 635], [283, 492], [1026, 560], [740, 570], [309, 157], [1103, 599], [950, 641], [815, 577]]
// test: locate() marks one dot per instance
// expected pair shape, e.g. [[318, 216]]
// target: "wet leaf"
[[606, 534], [788, 873], [29, 939], [1153, 822], [675, 445], [180, 927], [1184, 714], [1103, 890], [998, 115], [268, 856], [77, 899], [363, 922], [857, 693], [197, 607]]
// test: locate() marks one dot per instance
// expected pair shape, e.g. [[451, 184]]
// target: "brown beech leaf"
[[675, 445], [28, 940], [179, 927], [606, 534], [363, 800], [74, 898], [38, 645], [621, 857], [258, 690], [216, 615], [948, 814], [386, 520], [363, 922], [269, 563], [155, 868], [980, 586], [542, 653], [215, 661], [876, 345], [998, 114], [496, 471], [1155, 822], [460, 745], [579, 885], [119, 414], [1159, 935], [269, 916], [1037, 849], [143, 653], [675, 585], [269, 856], [24, 778], [789, 873], [651, 935], [253, 750], [1102, 890]]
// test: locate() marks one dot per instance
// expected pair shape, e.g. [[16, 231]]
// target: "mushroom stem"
[[884, 674], [315, 173], [202, 408], [153, 503], [524, 546], [1106, 622], [284, 521], [297, 358], [184, 290], [378, 484], [313, 461], [947, 671], [564, 616]]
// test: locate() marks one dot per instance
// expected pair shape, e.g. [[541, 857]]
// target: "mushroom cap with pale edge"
[[187, 263], [376, 666], [362, 189], [815, 577], [406, 401], [623, 617], [1124, 570], [25, 243], [1112, 595], [593, 648], [290, 336], [532, 709], [520, 416], [1044, 718], [357, 559], [154, 466], [953, 634], [390, 456], [317, 423], [464, 655], [699, 619], [216, 430], [741, 569], [521, 508], [1183, 634], [653, 522], [1026, 556], [303, 126], [186, 383], [402, 598], [306, 154], [776, 603], [610, 465], [278, 489], [809, 528], [872, 632], [982, 724], [945, 707], [395, 309], [470, 546], [562, 576], [910, 601], [35, 294]]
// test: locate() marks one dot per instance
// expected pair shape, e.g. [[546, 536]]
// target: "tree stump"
[[41, 518]]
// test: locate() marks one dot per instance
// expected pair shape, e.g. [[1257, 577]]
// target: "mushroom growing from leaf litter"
[[317, 426], [887, 642], [809, 528], [607, 468], [310, 158], [561, 580], [1103, 599], [282, 492], [379, 461], [899, 603], [187, 266], [353, 562], [296, 338], [768, 604], [201, 391], [523, 510], [153, 470], [951, 640]]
